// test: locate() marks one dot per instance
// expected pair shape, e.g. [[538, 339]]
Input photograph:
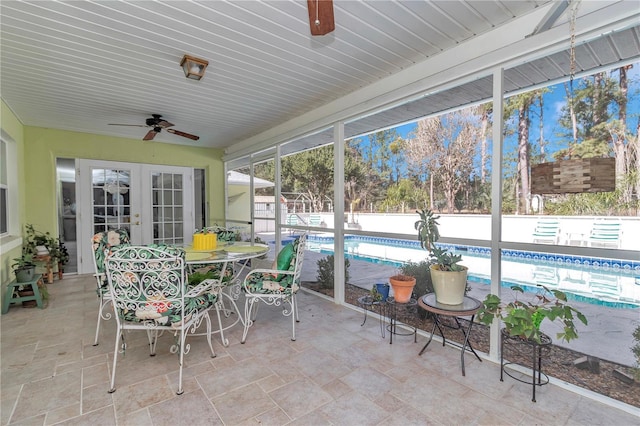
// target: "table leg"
[[365, 308], [383, 312], [466, 343], [392, 323], [501, 357], [433, 329], [533, 374]]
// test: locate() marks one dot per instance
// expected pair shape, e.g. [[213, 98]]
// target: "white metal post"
[[496, 204], [338, 213]]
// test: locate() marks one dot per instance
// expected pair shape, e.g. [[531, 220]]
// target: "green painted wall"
[[43, 146], [12, 129], [38, 148]]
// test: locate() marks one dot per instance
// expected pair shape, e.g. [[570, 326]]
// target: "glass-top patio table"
[[227, 255]]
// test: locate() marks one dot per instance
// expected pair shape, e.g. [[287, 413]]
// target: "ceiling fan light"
[[193, 67]]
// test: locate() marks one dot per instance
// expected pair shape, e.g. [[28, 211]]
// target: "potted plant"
[[23, 267], [449, 279], [381, 289], [402, 287], [522, 319], [39, 243], [374, 295]]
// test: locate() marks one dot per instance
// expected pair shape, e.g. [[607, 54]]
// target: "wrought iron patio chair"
[[277, 286], [102, 244], [149, 292]]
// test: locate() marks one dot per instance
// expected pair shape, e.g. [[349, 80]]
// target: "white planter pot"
[[449, 286]]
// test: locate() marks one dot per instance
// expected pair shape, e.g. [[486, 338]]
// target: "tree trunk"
[[483, 144], [523, 154], [572, 113], [636, 153], [597, 88], [619, 143], [431, 205], [542, 156]]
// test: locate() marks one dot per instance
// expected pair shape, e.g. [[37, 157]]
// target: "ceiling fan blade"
[[164, 124], [321, 20], [150, 135], [183, 134], [131, 125]]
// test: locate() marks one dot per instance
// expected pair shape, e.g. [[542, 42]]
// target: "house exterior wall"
[[10, 246], [38, 149], [43, 146]]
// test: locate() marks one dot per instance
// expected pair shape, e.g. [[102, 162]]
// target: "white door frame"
[[141, 217]]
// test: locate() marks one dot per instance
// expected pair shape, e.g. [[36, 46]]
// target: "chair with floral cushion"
[[102, 243], [277, 286], [149, 292]]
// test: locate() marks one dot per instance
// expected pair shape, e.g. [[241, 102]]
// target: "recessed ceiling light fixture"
[[193, 67]]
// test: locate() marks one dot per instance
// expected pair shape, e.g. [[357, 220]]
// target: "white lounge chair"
[[547, 232], [605, 233]]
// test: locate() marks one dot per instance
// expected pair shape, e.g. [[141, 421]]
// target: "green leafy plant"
[[428, 234], [636, 351], [24, 261], [197, 277], [420, 271], [374, 295], [522, 319], [326, 273], [35, 238]]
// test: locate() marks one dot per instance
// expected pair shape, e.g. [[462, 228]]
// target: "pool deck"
[[608, 335]]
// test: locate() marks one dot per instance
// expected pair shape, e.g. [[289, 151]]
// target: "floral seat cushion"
[[265, 283], [103, 244], [222, 234], [161, 303]]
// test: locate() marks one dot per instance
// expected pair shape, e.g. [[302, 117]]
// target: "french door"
[[153, 203]]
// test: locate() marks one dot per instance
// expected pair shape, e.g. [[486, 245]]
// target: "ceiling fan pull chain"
[[317, 18]]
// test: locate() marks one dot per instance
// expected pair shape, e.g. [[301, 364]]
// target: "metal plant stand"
[[392, 307], [525, 348], [368, 304]]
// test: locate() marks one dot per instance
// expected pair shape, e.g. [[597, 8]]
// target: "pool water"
[[603, 282]]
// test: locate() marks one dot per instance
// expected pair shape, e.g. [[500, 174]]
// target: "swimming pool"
[[603, 282]]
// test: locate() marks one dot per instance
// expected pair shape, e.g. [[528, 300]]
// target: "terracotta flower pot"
[[402, 287]]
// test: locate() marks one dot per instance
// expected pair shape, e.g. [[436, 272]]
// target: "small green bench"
[[11, 294]]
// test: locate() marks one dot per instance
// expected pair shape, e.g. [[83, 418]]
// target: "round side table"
[[468, 307]]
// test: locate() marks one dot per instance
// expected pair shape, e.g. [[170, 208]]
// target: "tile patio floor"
[[336, 373]]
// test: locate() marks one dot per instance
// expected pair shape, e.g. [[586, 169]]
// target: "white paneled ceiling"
[[80, 65]]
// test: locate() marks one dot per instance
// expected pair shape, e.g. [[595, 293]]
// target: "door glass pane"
[[167, 197], [168, 212], [111, 205]]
